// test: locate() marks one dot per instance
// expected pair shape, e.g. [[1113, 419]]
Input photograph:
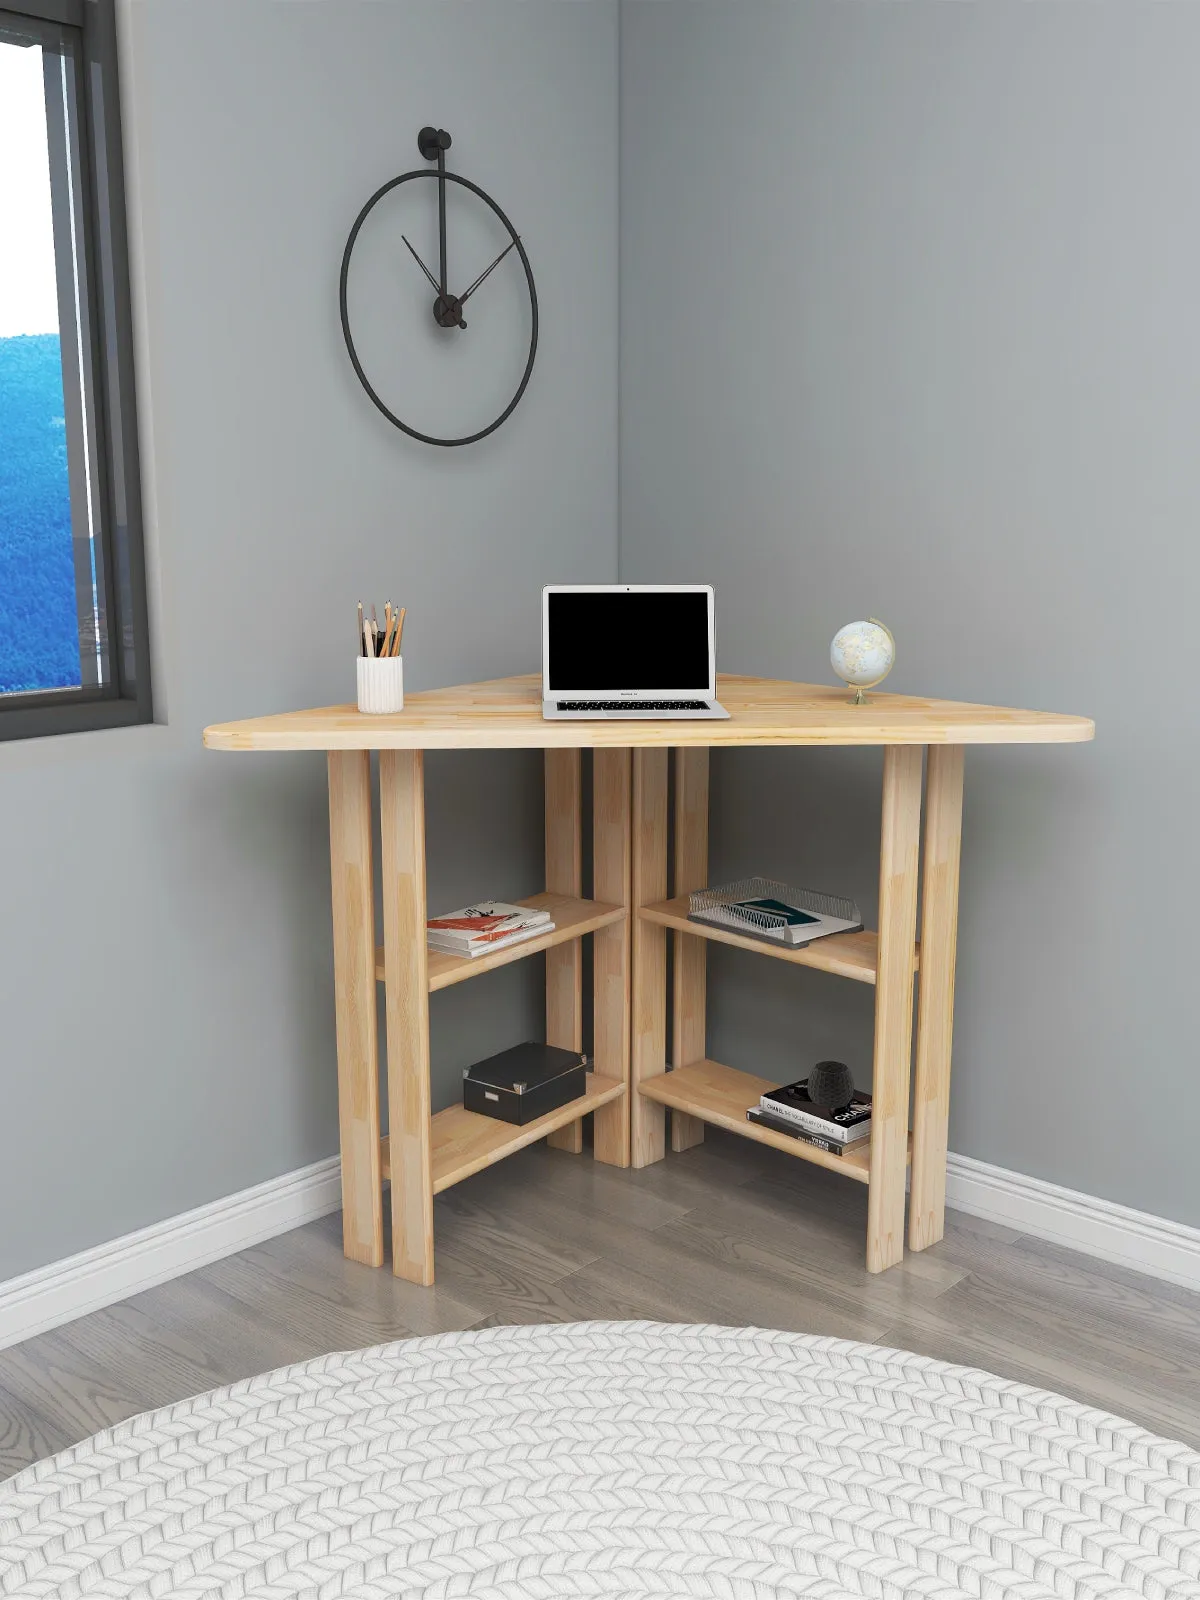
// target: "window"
[[73, 632]]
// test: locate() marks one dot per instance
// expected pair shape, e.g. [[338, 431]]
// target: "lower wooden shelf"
[[463, 1142], [722, 1095]]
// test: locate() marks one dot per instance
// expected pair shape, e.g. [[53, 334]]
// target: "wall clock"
[[410, 319]]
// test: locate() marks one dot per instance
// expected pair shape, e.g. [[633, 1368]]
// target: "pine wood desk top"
[[506, 714]]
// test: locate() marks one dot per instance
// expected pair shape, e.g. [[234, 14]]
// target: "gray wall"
[[908, 306], [166, 1029]]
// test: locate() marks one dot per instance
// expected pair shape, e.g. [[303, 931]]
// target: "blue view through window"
[[39, 614]]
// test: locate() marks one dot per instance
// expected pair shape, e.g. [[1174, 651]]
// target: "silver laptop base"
[[714, 711]]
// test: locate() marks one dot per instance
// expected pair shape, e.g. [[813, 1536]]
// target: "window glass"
[[39, 631]]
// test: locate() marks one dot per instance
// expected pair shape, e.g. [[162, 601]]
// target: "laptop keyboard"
[[632, 705]]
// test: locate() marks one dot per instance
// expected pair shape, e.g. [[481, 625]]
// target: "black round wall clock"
[[438, 294]]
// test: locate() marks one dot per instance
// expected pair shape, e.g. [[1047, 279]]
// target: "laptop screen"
[[641, 640]]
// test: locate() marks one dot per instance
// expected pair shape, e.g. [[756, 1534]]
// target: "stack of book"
[[489, 925], [836, 1129]]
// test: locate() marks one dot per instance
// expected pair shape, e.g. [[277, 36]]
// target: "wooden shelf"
[[463, 1142], [572, 919], [723, 1095], [849, 955]]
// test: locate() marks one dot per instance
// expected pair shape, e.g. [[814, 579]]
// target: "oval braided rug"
[[612, 1459]]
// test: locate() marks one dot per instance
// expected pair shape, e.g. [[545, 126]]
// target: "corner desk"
[[634, 907]]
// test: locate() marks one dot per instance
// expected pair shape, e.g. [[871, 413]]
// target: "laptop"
[[629, 650]]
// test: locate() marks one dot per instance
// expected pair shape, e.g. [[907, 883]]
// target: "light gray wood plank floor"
[[728, 1232]]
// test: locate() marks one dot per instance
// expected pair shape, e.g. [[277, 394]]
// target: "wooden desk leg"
[[691, 872], [610, 949], [564, 875], [647, 1118], [354, 1003], [899, 851], [406, 982], [935, 1018]]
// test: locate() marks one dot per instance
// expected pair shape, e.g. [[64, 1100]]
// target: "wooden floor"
[[729, 1232]]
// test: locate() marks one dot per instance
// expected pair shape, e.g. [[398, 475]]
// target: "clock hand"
[[443, 145], [445, 308], [423, 267], [463, 298]]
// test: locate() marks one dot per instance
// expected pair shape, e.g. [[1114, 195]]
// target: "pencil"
[[367, 650], [361, 634], [399, 631], [391, 623]]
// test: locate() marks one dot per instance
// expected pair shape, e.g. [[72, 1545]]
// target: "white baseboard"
[[1135, 1239], [64, 1290]]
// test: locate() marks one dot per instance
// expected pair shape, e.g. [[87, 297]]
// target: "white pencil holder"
[[380, 684]]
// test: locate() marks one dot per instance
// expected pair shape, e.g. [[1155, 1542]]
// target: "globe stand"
[[859, 697]]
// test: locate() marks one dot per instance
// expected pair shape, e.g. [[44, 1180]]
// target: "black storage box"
[[525, 1082]]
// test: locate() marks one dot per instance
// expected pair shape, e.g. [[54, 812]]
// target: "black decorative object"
[[831, 1083], [447, 307]]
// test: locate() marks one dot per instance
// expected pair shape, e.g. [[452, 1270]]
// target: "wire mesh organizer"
[[730, 906]]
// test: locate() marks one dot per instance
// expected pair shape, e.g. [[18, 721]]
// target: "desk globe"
[[862, 654]]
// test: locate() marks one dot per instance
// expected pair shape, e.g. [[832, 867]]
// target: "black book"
[[764, 1119], [843, 1123]]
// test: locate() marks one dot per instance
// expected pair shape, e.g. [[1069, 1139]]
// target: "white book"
[[861, 1129], [485, 925], [520, 937]]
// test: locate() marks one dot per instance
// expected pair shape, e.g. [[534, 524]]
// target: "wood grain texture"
[[572, 919], [689, 977], [506, 714], [97, 1371], [611, 881], [564, 875], [800, 1230], [574, 1220], [463, 1142], [26, 1435], [196, 1328], [676, 1283], [406, 986], [935, 1016], [1038, 1339], [300, 1280], [899, 853], [846, 955], [731, 1231], [649, 1041], [353, 884], [722, 1095]]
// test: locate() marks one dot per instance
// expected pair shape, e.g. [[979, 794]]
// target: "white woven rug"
[[612, 1459]]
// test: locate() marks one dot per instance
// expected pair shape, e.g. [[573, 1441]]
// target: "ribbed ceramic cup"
[[380, 684]]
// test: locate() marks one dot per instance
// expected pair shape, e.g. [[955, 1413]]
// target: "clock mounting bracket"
[[433, 143]]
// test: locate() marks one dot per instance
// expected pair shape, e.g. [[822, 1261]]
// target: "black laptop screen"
[[617, 640]]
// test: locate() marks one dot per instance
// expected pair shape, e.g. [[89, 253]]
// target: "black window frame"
[[125, 698]]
